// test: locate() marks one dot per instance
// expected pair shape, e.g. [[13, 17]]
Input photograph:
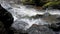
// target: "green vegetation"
[[42, 3], [51, 3]]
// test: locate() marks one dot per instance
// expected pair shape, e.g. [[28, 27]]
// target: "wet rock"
[[56, 7], [20, 25], [58, 23], [39, 29], [58, 18], [38, 2], [20, 31], [55, 27], [6, 18], [2, 29]]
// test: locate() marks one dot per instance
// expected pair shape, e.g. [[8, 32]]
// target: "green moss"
[[51, 3]]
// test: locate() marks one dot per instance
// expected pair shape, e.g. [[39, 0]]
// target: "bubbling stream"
[[22, 16]]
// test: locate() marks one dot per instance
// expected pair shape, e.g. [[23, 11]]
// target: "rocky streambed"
[[32, 21]]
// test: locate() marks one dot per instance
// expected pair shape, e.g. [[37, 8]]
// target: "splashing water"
[[22, 16], [27, 13]]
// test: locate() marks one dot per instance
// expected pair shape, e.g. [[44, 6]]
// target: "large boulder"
[[6, 18]]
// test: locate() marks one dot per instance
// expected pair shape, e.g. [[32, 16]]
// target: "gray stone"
[[39, 29]]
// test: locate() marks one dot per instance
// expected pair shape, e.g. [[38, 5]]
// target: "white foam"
[[19, 13]]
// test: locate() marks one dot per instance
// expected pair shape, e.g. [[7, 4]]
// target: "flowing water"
[[22, 15]]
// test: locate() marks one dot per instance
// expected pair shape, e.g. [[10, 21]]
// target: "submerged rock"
[[55, 27], [39, 29], [20, 25]]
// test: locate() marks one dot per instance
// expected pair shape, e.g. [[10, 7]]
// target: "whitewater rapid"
[[22, 16]]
